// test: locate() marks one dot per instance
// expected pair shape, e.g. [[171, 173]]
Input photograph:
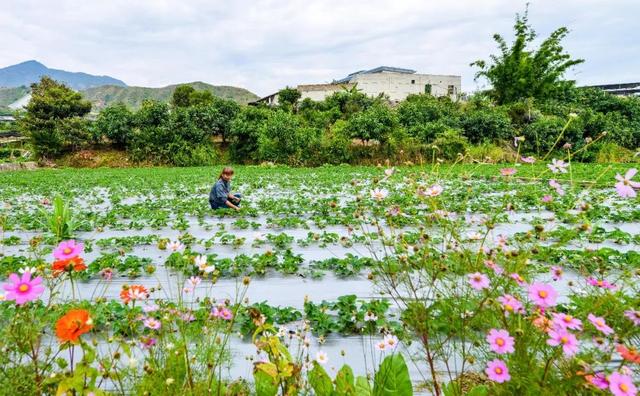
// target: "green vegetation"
[[133, 97]]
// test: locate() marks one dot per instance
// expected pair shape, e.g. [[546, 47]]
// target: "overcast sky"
[[263, 45]]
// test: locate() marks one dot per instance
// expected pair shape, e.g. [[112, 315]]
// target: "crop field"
[[438, 279]]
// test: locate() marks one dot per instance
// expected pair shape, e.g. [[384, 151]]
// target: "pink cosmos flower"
[[556, 186], [528, 160], [379, 194], [67, 250], [519, 279], [148, 342], [562, 337], [558, 166], [556, 272], [152, 323], [23, 289], [511, 304], [543, 295], [547, 198], [221, 312], [600, 324], [564, 321], [603, 283], [478, 281], [625, 186], [500, 341], [508, 171], [621, 385], [599, 380], [633, 316], [497, 371], [493, 266]]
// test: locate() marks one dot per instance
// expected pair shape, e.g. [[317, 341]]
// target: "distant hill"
[[27, 73], [10, 95], [133, 96]]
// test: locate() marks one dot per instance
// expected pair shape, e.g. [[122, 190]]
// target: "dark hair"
[[227, 170]]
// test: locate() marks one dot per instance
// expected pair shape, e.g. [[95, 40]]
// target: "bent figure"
[[220, 196]]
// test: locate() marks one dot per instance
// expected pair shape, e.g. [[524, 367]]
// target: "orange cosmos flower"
[[135, 292], [68, 265], [628, 354], [72, 325]]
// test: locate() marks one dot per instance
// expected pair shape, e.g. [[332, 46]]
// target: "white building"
[[393, 82]]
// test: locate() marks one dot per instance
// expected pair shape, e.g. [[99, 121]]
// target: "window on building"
[[413, 81], [427, 89], [451, 90]]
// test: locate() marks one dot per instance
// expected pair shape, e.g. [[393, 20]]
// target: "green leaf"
[[345, 382], [479, 390], [363, 388], [320, 380], [266, 385], [392, 378]]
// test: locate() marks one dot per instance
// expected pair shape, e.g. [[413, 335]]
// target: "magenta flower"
[[221, 312], [599, 380], [67, 250], [562, 337], [497, 371], [510, 304], [602, 283], [633, 316], [600, 324], [478, 281], [556, 272], [625, 186], [500, 341], [564, 321], [543, 295], [621, 385], [519, 279], [23, 289]]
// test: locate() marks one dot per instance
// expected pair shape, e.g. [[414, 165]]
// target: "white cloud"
[[264, 45]]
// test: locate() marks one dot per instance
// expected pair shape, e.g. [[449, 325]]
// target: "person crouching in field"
[[220, 195]]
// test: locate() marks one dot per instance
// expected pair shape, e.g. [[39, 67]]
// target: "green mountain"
[[10, 95], [133, 96]]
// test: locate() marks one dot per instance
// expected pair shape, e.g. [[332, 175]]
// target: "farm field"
[[417, 267]]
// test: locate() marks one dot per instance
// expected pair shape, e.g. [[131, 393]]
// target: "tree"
[[52, 118], [288, 97], [116, 123], [377, 122], [182, 96], [518, 73]]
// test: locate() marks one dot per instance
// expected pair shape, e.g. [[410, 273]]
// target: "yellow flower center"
[[508, 307], [599, 323], [23, 288], [568, 318], [67, 250], [564, 340], [543, 294], [499, 341], [498, 370], [624, 387]]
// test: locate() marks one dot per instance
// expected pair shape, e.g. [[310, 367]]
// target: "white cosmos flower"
[[389, 172], [370, 317], [200, 261], [321, 357], [391, 341], [434, 190], [381, 346], [133, 363], [175, 246], [379, 194], [31, 270], [474, 236]]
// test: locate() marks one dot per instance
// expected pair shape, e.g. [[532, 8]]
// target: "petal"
[[26, 277], [631, 173], [14, 278]]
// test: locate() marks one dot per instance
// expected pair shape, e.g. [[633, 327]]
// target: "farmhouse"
[[393, 82]]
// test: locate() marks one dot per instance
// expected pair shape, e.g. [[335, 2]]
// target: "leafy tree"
[[375, 123], [198, 98], [182, 96], [51, 118], [518, 72], [244, 131], [116, 123], [152, 113], [288, 97], [283, 139]]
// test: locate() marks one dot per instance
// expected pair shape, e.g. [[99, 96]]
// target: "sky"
[[264, 45]]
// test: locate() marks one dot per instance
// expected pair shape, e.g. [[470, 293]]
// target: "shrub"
[[375, 123], [116, 123], [334, 145], [487, 124], [450, 144], [244, 133], [490, 152], [282, 139], [611, 152]]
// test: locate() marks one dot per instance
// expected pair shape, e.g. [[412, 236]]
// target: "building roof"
[[379, 69]]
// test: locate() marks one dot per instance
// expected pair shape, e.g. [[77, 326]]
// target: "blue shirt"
[[220, 192]]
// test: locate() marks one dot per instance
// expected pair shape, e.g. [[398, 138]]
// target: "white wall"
[[399, 85]]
